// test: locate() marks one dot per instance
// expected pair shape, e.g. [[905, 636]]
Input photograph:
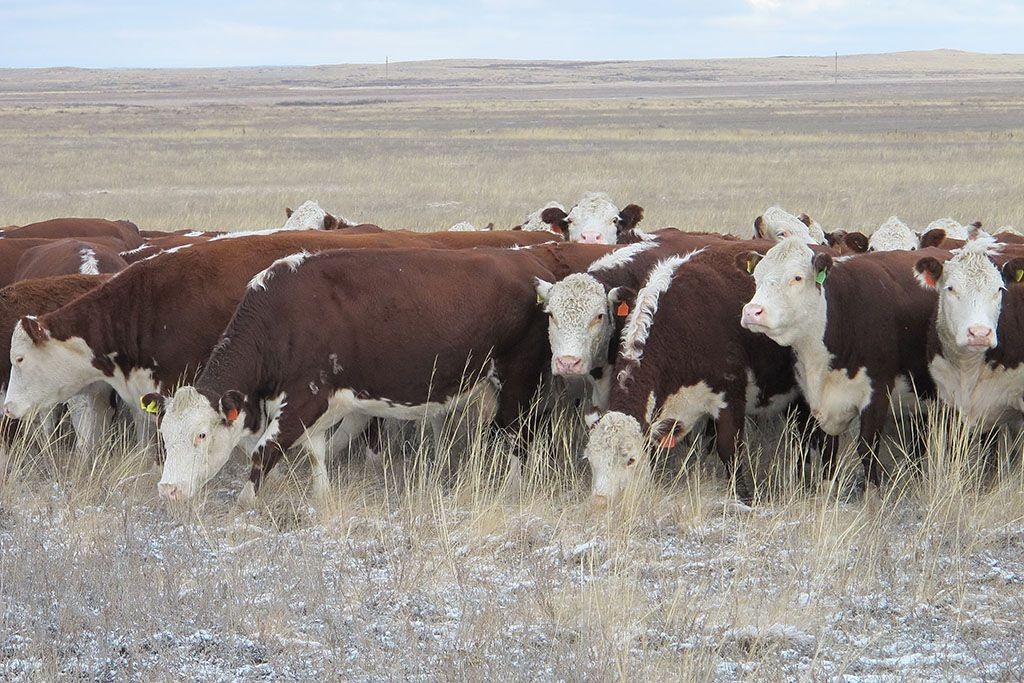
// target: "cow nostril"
[[599, 501]]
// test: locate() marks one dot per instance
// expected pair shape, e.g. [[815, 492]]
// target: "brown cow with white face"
[[976, 336], [594, 219], [280, 376], [858, 328]]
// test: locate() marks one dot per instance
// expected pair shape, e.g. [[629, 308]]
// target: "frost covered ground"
[[396, 577]]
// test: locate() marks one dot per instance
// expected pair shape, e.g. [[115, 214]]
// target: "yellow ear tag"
[[540, 299], [1018, 275], [750, 267], [150, 407]]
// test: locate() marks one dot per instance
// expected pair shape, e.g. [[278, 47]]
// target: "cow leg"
[[263, 460], [729, 439], [317, 446], [91, 415], [351, 428], [822, 447], [872, 422]]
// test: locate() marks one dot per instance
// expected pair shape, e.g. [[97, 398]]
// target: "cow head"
[[597, 220], [198, 435], [581, 321], [44, 370], [970, 288], [777, 224], [618, 457], [894, 235], [847, 242], [788, 302]]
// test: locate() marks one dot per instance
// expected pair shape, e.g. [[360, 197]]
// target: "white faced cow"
[[777, 224], [595, 219], [309, 216], [858, 328], [534, 221], [976, 340], [894, 235]]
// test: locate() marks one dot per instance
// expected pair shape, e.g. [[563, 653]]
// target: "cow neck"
[[813, 358], [98, 317]]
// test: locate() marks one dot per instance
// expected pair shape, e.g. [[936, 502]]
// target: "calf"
[[777, 224], [309, 216], [67, 257], [89, 410], [155, 323], [595, 219], [279, 377], [976, 335], [894, 235], [858, 328], [535, 222], [685, 358], [123, 234]]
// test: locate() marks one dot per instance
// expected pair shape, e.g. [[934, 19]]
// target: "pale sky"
[[181, 33]]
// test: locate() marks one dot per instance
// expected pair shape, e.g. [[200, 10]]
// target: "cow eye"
[[630, 462], [19, 359], [949, 288], [798, 278], [201, 436], [600, 317]]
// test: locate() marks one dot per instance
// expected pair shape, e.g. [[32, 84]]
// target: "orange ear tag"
[[929, 278], [232, 415], [623, 310], [668, 441]]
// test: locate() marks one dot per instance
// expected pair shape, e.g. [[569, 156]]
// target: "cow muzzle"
[[568, 365], [592, 238], [753, 314], [981, 335], [14, 411]]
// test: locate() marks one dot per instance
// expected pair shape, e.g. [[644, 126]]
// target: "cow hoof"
[[320, 489], [247, 497]]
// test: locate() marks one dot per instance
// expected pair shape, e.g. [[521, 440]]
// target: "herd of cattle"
[[301, 337]]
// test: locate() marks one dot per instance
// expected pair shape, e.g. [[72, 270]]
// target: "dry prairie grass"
[[509, 575]]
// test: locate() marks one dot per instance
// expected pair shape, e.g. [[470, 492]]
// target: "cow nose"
[[592, 238], [171, 492], [9, 411], [599, 501], [979, 335], [753, 313], [569, 365]]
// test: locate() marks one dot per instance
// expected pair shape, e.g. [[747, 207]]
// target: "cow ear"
[[153, 404], [231, 403], [821, 263], [805, 219], [759, 228], [836, 238], [287, 212], [1013, 271], [35, 330], [555, 218], [933, 238], [330, 222], [747, 261], [622, 300], [489, 227], [543, 290], [856, 242], [973, 230], [929, 270], [629, 217], [591, 418]]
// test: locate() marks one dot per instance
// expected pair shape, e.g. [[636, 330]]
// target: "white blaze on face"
[[534, 222], [617, 453], [778, 224], [893, 235], [580, 324], [788, 305], [594, 220], [970, 298], [954, 230], [309, 216], [464, 226], [45, 373], [198, 442]]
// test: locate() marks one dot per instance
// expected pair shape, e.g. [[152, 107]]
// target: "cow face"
[[580, 322], [970, 291], [788, 303], [777, 224], [596, 220], [45, 371], [617, 455], [894, 235], [198, 438]]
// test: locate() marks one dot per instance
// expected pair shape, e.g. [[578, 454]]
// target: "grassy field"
[[509, 574]]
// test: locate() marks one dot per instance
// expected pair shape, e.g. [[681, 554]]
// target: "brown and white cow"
[[67, 257], [976, 337], [534, 220], [89, 410], [154, 324], [894, 235], [858, 328], [683, 359], [282, 374], [594, 219], [777, 224], [123, 234], [309, 216]]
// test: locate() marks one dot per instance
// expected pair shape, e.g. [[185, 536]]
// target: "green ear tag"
[[1018, 275], [820, 277], [150, 407]]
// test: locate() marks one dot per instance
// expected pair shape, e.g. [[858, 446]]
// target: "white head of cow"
[[777, 224], [789, 302], [580, 322], [954, 230], [893, 235], [309, 216], [594, 220], [970, 291], [198, 438], [45, 371], [617, 453], [535, 221]]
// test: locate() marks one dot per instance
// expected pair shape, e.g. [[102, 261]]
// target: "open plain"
[[508, 574]]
